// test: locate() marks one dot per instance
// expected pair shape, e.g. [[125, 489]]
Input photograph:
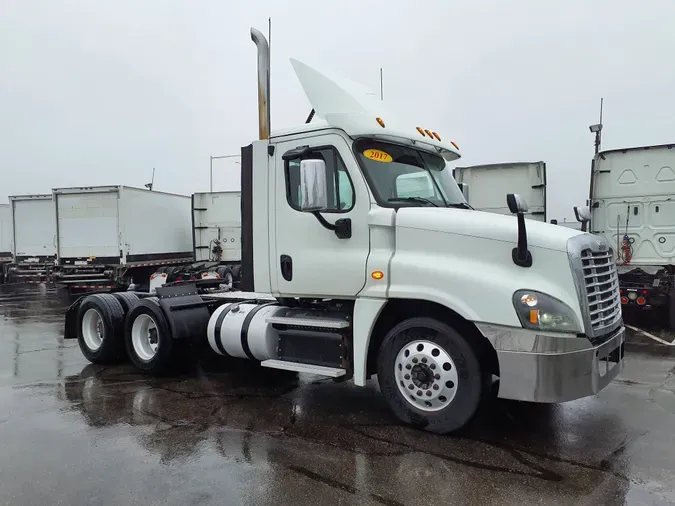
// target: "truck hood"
[[491, 226]]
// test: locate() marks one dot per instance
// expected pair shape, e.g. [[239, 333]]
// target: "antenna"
[[151, 183], [381, 88]]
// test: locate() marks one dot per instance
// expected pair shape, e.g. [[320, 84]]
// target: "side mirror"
[[554, 221], [516, 203], [521, 255], [582, 213], [313, 186]]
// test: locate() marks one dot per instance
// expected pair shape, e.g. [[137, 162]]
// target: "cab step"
[[320, 370]]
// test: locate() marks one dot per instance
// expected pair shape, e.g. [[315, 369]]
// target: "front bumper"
[[539, 367]]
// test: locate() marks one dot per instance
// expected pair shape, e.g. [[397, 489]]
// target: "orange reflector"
[[641, 301], [381, 123], [420, 131], [438, 137], [456, 146], [377, 274], [163, 275], [428, 132], [534, 316]]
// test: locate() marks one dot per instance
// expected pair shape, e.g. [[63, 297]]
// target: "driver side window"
[[340, 187]]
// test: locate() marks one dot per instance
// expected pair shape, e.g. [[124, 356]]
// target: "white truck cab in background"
[[486, 185], [632, 208], [361, 257]]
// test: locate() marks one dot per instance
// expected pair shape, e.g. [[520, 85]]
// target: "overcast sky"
[[100, 92]]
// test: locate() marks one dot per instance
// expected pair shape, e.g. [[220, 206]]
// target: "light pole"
[[597, 130], [211, 167]]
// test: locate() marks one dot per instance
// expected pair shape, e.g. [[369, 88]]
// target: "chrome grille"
[[602, 288], [597, 283]]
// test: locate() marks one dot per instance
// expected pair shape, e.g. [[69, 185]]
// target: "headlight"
[[539, 311]]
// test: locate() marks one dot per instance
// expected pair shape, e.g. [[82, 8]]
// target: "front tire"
[[100, 329], [149, 343], [441, 367]]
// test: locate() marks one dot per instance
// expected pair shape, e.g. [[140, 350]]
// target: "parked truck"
[[485, 186], [33, 239], [216, 242], [444, 304], [632, 207], [5, 240], [110, 237]]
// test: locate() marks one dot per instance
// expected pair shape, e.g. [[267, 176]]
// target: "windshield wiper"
[[461, 205], [413, 199]]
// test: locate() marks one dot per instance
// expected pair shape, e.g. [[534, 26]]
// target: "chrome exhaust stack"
[[263, 83]]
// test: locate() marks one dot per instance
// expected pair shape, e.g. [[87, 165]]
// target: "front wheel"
[[429, 375]]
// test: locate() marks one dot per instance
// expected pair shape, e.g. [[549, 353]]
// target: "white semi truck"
[[442, 303], [109, 237], [5, 240], [33, 239], [632, 208], [485, 186]]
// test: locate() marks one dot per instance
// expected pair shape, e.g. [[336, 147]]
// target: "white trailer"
[[485, 186], [108, 237], [217, 227], [345, 277], [33, 238], [632, 207], [5, 240]]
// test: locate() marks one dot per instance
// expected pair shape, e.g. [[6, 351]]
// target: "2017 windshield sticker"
[[377, 155]]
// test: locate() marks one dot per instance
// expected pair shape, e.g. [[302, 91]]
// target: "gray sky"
[[100, 92]]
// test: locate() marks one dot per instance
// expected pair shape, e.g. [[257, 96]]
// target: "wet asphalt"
[[73, 433]]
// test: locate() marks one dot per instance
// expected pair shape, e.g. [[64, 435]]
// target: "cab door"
[[310, 259]]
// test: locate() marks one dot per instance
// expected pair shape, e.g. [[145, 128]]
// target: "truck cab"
[[361, 257]]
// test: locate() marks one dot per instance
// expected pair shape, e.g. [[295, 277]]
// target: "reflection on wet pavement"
[[75, 433]]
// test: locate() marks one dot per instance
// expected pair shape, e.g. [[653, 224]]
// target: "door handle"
[[286, 263]]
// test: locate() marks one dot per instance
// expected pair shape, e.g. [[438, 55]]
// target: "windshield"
[[400, 175]]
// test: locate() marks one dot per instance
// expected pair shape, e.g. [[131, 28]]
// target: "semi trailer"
[[112, 237], [5, 240], [349, 274], [632, 208], [33, 239], [484, 186]]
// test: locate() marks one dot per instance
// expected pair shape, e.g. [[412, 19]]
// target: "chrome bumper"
[[548, 368]]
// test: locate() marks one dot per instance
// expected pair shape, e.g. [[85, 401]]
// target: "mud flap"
[[186, 312], [70, 330]]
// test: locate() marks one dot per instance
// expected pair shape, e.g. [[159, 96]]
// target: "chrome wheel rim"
[[426, 375], [145, 337], [92, 329], [229, 280]]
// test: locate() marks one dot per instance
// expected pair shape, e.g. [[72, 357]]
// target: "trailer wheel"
[[127, 299], [148, 339], [236, 272], [226, 275], [429, 375], [100, 330]]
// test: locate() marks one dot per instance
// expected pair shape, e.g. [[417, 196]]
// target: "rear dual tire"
[[100, 332], [148, 340]]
